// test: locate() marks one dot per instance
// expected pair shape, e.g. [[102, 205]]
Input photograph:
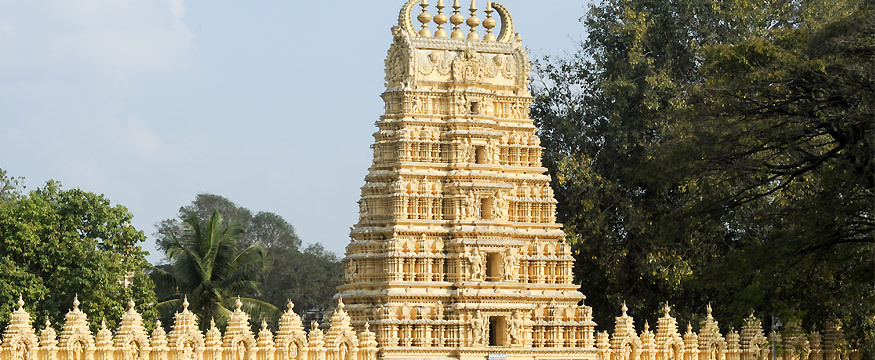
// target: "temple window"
[[497, 331], [493, 266], [480, 154], [486, 208]]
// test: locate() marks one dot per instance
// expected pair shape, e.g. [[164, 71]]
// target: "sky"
[[269, 103]]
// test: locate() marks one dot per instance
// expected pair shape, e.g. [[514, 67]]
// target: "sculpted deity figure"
[[510, 260], [496, 153], [241, 351], [478, 326], [476, 261], [515, 328], [516, 110], [439, 311], [417, 105], [499, 206], [363, 208], [469, 207]]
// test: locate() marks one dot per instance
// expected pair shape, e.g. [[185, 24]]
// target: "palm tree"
[[206, 266]]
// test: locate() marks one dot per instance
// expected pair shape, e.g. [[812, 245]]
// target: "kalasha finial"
[[708, 309], [340, 303], [473, 21], [440, 19], [76, 302], [48, 323], [238, 304], [263, 324], [625, 309], [131, 304], [457, 19], [489, 23], [424, 18], [185, 303], [646, 326], [666, 309], [689, 327], [290, 305], [20, 302]]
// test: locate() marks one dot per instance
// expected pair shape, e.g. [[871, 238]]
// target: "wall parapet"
[[185, 341], [751, 343], [340, 341]]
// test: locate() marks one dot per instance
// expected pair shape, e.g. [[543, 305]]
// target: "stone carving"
[[510, 264], [476, 263], [515, 328], [479, 328], [499, 206], [467, 67], [469, 208], [398, 60]]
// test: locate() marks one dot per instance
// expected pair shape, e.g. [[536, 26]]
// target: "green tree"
[[780, 134], [206, 267], [308, 277], [623, 124], [56, 243]]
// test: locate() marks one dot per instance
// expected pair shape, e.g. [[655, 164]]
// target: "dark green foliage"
[[55, 244], [206, 267], [308, 276], [718, 151]]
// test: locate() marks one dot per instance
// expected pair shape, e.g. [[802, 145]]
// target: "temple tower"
[[457, 253]]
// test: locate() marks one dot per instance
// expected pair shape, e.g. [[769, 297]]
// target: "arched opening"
[[480, 154], [133, 350], [292, 351], [486, 208], [241, 351], [475, 108], [343, 351], [493, 266], [497, 331], [78, 350]]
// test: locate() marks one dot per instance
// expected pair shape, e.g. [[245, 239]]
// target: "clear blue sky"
[[269, 103]]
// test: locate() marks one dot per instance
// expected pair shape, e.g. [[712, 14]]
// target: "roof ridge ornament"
[[506, 33]]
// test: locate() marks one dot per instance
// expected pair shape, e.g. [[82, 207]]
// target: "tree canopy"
[[307, 276], [718, 152], [56, 244], [207, 267]]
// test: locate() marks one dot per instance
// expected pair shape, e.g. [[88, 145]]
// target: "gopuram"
[[457, 253], [457, 250]]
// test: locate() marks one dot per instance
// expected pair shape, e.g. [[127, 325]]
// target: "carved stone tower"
[[457, 253]]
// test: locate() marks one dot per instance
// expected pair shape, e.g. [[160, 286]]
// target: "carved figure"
[[499, 206], [417, 105], [515, 328], [439, 310], [470, 207], [476, 261], [478, 326], [510, 264]]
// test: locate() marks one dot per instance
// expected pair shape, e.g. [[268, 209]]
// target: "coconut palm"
[[206, 266]]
